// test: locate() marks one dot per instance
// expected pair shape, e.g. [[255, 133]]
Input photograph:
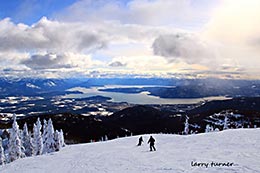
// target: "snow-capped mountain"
[[231, 151], [29, 85], [50, 84], [34, 86], [176, 88]]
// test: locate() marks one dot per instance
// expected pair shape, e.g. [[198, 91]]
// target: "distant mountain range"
[[176, 88], [241, 112], [85, 119]]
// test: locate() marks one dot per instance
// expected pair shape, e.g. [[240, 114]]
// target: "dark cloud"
[[232, 68], [182, 46], [47, 61], [117, 64], [8, 69]]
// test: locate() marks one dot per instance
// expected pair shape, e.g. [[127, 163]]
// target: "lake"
[[135, 98]]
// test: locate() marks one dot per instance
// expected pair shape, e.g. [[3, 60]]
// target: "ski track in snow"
[[174, 155]]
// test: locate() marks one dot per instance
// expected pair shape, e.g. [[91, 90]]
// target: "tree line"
[[22, 143]]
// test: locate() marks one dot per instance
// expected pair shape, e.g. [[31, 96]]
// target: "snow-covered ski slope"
[[174, 154]]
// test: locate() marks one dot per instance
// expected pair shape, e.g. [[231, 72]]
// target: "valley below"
[[93, 109]]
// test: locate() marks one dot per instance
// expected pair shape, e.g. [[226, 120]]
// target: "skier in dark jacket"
[[140, 141], [152, 141]]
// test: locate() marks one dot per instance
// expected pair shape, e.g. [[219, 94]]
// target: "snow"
[[175, 153], [29, 85], [50, 84]]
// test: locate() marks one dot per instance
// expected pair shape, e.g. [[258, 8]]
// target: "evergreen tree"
[[2, 154], [62, 138], [225, 126], [207, 128], [50, 143], [37, 138], [27, 141], [44, 137], [57, 141], [106, 138], [15, 147], [186, 126]]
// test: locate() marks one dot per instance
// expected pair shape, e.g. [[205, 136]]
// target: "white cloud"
[[235, 22], [235, 27], [12, 59], [143, 12], [49, 35], [140, 35], [144, 63]]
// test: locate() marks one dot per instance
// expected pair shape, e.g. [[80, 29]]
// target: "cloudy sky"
[[163, 38]]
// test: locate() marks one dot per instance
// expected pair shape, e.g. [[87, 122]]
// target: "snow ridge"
[[175, 153]]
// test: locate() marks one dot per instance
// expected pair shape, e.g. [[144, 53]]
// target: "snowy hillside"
[[239, 147]]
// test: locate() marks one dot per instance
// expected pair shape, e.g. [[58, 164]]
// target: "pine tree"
[[186, 126], [57, 141], [225, 126], [15, 147], [44, 137], [62, 138], [2, 154], [49, 143], [106, 138], [37, 138], [27, 141], [207, 128]]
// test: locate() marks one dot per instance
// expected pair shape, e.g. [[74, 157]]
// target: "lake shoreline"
[[142, 97]]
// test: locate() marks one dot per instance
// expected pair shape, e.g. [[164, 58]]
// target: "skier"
[[140, 141], [152, 141]]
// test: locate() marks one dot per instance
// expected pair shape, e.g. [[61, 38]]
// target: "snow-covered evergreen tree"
[[37, 138], [2, 154], [20, 143], [49, 143], [207, 128], [225, 126], [62, 138], [44, 137], [186, 126], [106, 138], [57, 141], [27, 141], [216, 130], [15, 147]]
